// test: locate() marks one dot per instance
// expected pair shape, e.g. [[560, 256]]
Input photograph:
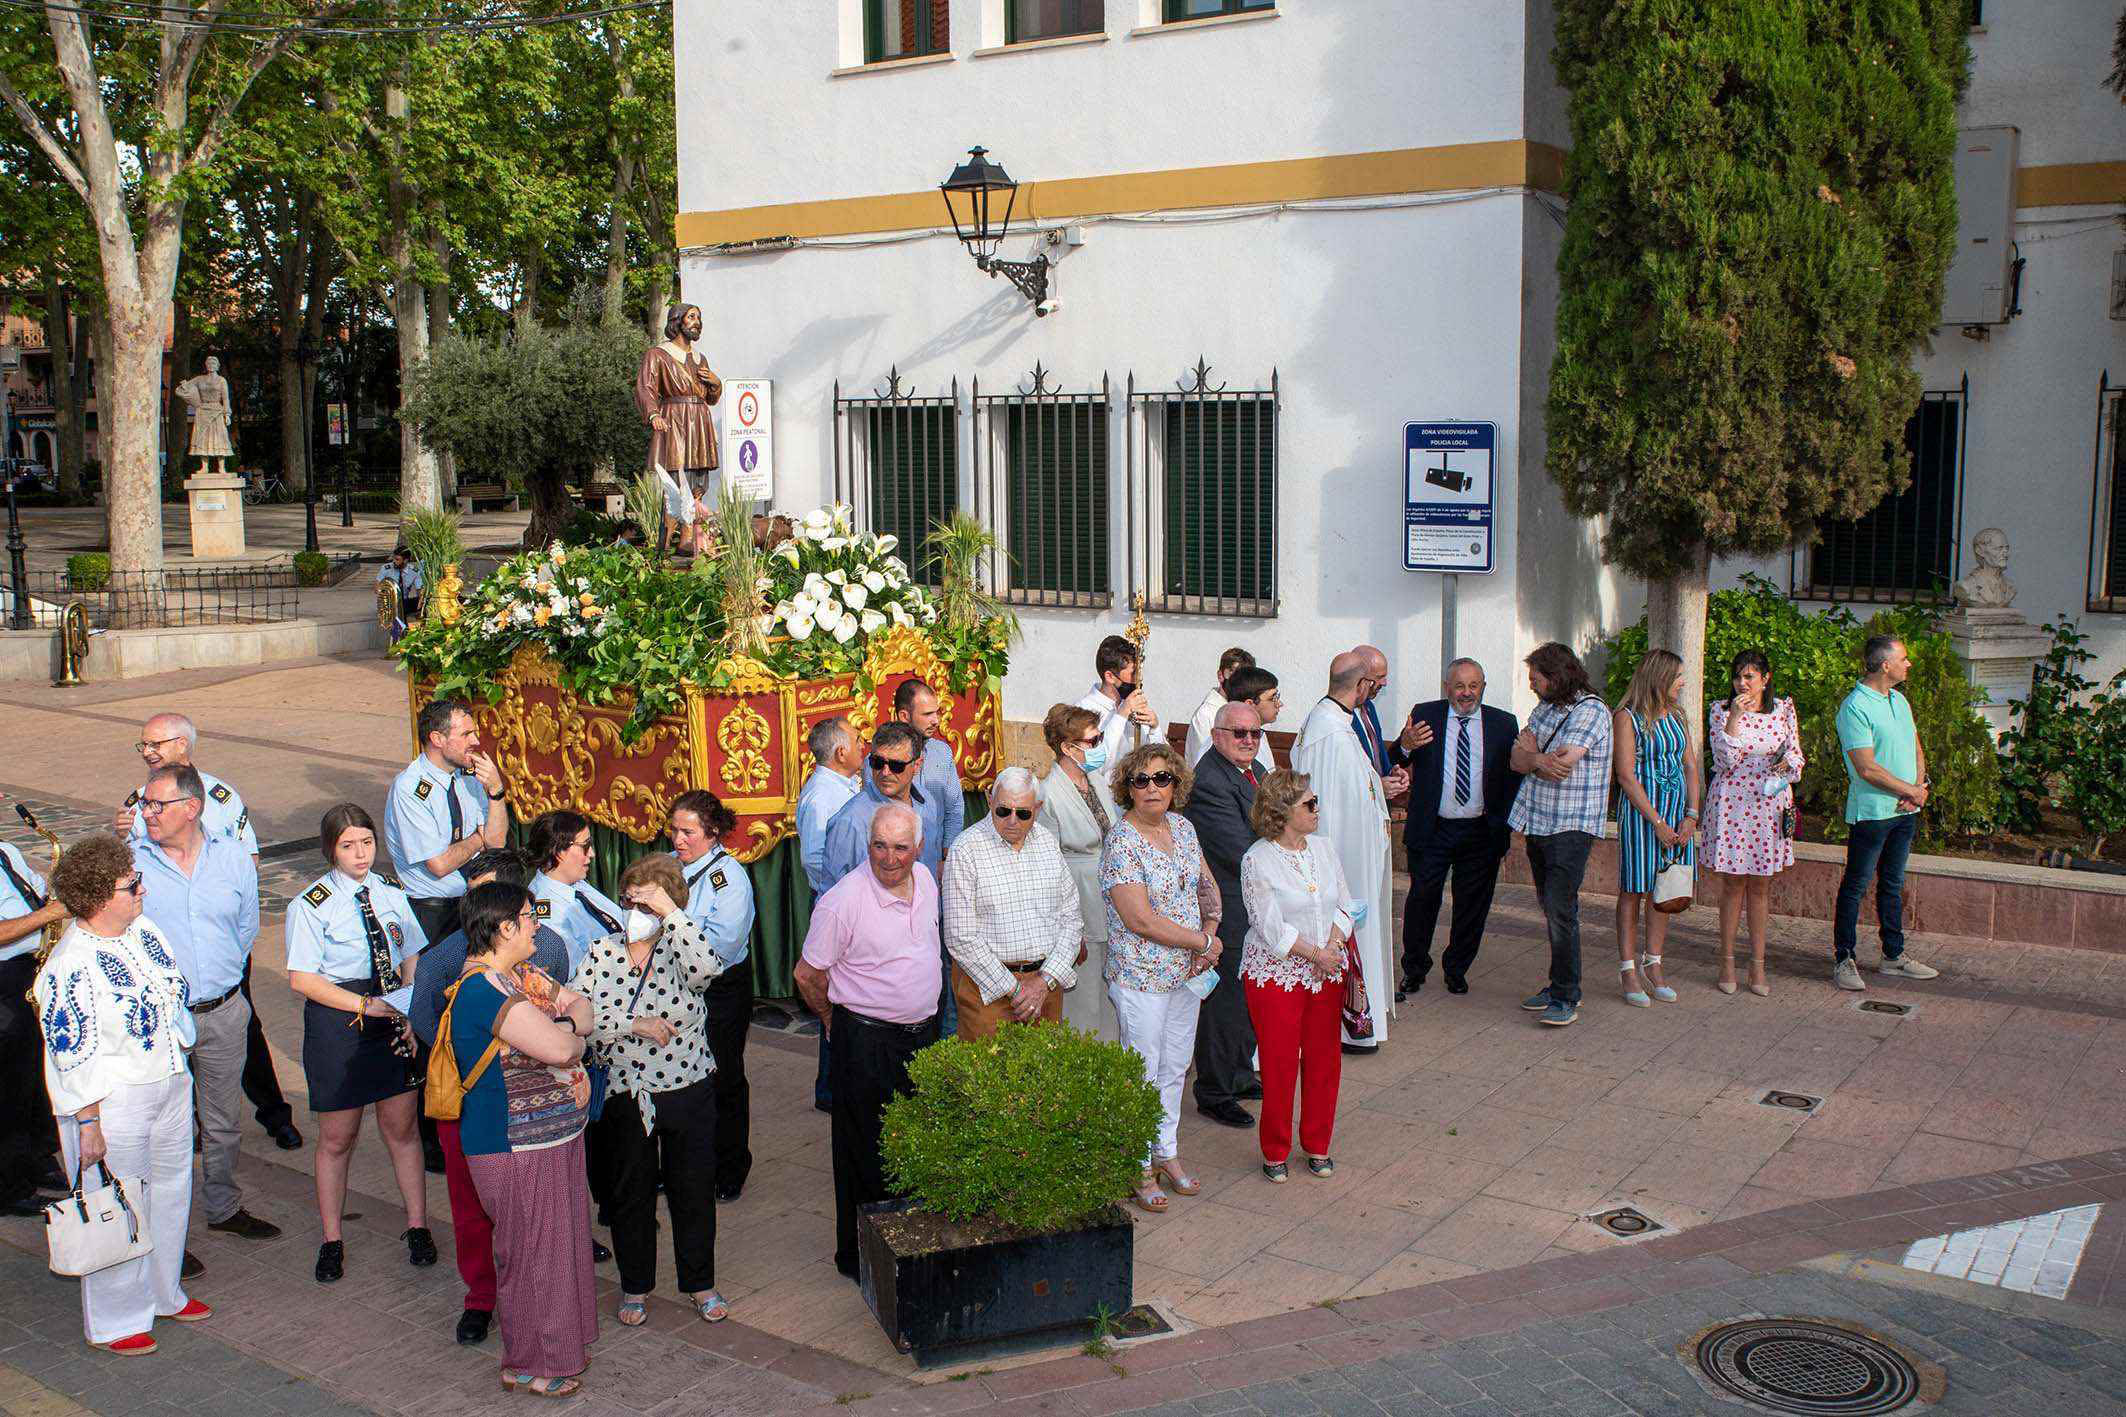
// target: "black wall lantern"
[[973, 194]]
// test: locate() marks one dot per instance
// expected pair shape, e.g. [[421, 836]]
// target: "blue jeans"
[[1876, 852], [1558, 863]]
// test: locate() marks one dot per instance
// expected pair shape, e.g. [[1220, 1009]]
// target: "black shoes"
[[191, 1268], [599, 1253], [420, 1247], [331, 1262], [472, 1325], [246, 1226], [1402, 996], [1457, 986], [1252, 1092], [726, 1194], [287, 1138], [1228, 1114], [1360, 1050]]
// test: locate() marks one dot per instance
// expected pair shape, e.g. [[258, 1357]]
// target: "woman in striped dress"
[[1659, 782]]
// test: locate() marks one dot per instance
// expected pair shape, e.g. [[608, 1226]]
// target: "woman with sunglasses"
[[1299, 918], [117, 1020], [1071, 807], [1162, 931]]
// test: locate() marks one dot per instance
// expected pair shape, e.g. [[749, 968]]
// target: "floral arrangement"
[[547, 597], [843, 584]]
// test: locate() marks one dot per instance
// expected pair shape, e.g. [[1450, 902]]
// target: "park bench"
[[471, 494]]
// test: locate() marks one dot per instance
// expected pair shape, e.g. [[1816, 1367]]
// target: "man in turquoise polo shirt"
[[1886, 785]]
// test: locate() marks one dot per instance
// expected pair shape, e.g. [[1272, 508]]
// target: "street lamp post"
[[17, 566], [346, 421], [305, 359]]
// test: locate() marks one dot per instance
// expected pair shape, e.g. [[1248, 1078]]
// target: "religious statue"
[[207, 395], [674, 389], [1988, 587]]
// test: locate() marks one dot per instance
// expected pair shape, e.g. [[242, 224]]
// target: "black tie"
[[1461, 761]]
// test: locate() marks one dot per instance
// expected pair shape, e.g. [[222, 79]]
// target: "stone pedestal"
[[217, 505], [2000, 647]]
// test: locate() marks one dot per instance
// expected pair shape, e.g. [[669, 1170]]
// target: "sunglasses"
[[1312, 804], [1242, 732], [135, 886], [1024, 814], [1152, 779], [879, 764]]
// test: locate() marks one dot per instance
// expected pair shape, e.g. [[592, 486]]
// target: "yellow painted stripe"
[[1456, 167], [23, 1396], [2071, 184]]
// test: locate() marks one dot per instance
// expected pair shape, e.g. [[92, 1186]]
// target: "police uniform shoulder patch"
[[422, 788], [219, 792], [544, 909], [318, 894], [716, 880], [390, 880]]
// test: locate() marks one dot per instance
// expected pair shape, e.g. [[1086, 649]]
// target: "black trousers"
[[1225, 1036], [869, 1064], [680, 1152], [1559, 863], [261, 1085], [1471, 850], [440, 917], [28, 1138], [730, 1001]]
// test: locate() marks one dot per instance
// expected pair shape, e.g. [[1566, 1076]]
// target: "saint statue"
[[674, 389], [207, 395], [1988, 587]]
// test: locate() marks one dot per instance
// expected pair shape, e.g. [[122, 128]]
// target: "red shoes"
[[133, 1347], [192, 1313]]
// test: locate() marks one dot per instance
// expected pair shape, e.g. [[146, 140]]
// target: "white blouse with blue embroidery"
[[115, 1013]]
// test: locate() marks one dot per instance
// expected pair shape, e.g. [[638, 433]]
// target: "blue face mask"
[[1095, 758]]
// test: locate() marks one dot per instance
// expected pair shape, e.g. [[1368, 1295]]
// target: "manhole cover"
[[1801, 1365], [1141, 1322], [1791, 1101], [1884, 1006], [1626, 1221]]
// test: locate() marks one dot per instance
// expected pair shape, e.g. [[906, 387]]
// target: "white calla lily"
[[874, 582], [871, 622], [855, 596], [845, 628]]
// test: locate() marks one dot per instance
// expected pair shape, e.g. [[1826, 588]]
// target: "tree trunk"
[[528, 307], [660, 284], [438, 331], [551, 506], [1675, 621], [66, 401], [420, 489], [291, 391], [128, 390]]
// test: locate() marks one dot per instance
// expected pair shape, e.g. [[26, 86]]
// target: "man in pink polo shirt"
[[871, 971]]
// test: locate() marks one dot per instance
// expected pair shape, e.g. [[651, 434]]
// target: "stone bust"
[[1988, 587]]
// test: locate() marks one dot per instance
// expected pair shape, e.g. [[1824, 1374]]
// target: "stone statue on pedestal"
[[207, 395], [1988, 587], [1997, 644]]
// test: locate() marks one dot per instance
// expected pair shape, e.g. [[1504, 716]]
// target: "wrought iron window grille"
[[1910, 547], [1200, 469], [1042, 475], [897, 465]]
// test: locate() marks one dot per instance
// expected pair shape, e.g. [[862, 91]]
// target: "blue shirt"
[[849, 836], [407, 580], [324, 931], [939, 779], [572, 913], [222, 814], [483, 1118], [720, 901], [825, 792], [417, 825], [14, 905], [442, 963], [209, 919], [1881, 723]]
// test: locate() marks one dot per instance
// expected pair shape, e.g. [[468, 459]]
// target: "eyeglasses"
[[583, 845], [1240, 732], [147, 743], [879, 764], [1162, 778], [1312, 804], [153, 805], [1024, 814]]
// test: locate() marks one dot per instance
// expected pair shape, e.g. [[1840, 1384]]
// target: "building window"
[[1906, 549], [897, 463], [1203, 9], [1203, 505], [2107, 531], [903, 29], [1051, 19], [1042, 485]]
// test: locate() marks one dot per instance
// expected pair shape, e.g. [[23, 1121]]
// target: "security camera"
[[1047, 307]]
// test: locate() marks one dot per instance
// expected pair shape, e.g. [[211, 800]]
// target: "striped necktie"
[[1461, 761]]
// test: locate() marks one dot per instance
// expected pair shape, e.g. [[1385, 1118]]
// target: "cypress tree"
[[1763, 208]]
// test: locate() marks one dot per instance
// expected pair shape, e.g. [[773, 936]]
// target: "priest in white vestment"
[[1354, 815]]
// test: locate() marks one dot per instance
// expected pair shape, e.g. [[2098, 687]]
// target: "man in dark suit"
[[1218, 807], [1462, 786]]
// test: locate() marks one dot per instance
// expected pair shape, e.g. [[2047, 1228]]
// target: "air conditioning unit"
[[1980, 289]]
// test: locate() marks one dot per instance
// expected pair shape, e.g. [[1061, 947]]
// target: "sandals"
[[1637, 998], [1183, 1183], [1660, 991], [711, 1307], [634, 1310], [541, 1387], [1148, 1196]]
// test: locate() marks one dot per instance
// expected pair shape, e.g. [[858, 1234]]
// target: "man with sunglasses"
[[201, 890], [1011, 922], [1219, 807], [894, 764], [1354, 815], [1117, 695]]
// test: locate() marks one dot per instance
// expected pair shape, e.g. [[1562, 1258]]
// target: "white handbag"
[[1673, 887], [92, 1230]]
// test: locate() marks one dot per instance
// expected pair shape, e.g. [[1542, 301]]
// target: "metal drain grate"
[[1791, 1101], [1141, 1322], [1804, 1366], [1884, 1006], [1627, 1222]]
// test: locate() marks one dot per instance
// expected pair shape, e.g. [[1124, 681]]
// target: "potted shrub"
[[1012, 1153]]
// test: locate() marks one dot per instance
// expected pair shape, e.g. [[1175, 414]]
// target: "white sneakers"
[[1846, 974]]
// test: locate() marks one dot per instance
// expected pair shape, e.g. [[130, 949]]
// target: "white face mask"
[[641, 925]]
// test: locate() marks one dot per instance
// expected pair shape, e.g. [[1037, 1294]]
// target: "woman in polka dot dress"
[[1756, 741], [648, 985]]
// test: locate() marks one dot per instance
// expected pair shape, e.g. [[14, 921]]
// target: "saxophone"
[[57, 928]]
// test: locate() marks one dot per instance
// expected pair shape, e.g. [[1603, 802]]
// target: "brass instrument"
[[73, 644], [52, 932], [387, 604]]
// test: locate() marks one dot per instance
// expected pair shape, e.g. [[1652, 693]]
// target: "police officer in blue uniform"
[[720, 900], [445, 808], [566, 901]]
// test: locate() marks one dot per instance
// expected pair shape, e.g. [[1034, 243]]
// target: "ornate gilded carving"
[[743, 735]]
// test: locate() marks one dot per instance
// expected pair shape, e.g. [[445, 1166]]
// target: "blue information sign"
[[1450, 493]]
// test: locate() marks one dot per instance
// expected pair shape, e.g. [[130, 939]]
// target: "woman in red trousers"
[[1299, 916]]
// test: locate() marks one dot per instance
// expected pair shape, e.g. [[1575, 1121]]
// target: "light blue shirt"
[[324, 927], [408, 580], [14, 905], [209, 919], [572, 913], [825, 792], [947, 804], [417, 824], [222, 814], [720, 901], [849, 836]]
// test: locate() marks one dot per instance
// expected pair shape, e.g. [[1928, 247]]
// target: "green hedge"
[[311, 568], [1816, 660], [88, 570]]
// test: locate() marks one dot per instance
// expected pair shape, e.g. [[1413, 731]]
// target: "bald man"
[[1365, 721]]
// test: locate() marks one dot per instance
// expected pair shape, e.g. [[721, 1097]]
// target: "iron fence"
[[1909, 547], [248, 595], [897, 465], [1201, 478], [1041, 483]]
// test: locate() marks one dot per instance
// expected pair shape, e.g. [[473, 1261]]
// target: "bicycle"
[[268, 488]]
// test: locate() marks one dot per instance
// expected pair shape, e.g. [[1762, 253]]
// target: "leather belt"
[[883, 1023], [1034, 967], [214, 1003]]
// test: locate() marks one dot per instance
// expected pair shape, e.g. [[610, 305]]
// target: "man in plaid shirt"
[[1011, 915], [1565, 755]]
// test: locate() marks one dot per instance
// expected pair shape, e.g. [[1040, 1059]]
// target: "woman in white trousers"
[[116, 1019]]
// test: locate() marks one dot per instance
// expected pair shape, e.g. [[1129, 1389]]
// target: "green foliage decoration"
[[2065, 747], [432, 540], [88, 570], [1038, 1127], [311, 568], [1815, 660]]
